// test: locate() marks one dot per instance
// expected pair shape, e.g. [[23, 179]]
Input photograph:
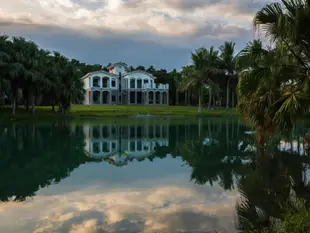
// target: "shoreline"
[[90, 112]]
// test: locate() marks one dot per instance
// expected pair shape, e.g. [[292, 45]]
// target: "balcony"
[[158, 86]]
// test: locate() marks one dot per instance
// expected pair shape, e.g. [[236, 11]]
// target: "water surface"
[[143, 175]]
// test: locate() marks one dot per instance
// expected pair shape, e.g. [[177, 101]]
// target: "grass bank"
[[98, 111]]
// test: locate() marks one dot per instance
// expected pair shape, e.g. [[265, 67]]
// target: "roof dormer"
[[119, 68]]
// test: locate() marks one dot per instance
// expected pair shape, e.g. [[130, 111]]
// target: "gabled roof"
[[100, 71], [140, 71]]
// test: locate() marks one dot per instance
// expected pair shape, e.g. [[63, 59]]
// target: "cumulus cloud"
[[179, 24], [168, 18]]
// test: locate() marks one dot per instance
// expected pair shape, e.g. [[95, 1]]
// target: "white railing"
[[159, 86]]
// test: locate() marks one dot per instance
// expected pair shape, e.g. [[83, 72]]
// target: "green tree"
[[229, 61], [206, 66], [274, 83], [271, 93]]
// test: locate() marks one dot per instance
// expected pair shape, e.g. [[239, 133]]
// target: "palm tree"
[[206, 67], [4, 57], [287, 23], [228, 60], [186, 73], [271, 90], [275, 80], [176, 76]]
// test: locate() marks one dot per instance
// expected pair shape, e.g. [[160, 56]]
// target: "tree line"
[[30, 76], [269, 84]]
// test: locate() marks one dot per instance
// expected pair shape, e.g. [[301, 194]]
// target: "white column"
[[161, 98], [128, 83], [168, 98], [110, 83], [154, 97], [136, 83]]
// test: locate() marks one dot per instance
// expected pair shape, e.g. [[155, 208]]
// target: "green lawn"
[[95, 111]]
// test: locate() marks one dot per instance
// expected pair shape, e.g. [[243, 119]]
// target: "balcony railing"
[[156, 86]]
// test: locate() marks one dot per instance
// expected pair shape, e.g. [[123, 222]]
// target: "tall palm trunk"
[[176, 97], [200, 100], [233, 99], [14, 100], [14, 105], [227, 133], [186, 97], [210, 97], [26, 97], [227, 92], [53, 106], [33, 103], [199, 127]]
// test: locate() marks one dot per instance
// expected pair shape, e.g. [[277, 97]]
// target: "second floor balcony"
[[158, 86]]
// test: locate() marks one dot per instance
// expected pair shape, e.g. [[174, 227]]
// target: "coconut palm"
[[205, 68], [229, 61], [186, 73], [176, 76]]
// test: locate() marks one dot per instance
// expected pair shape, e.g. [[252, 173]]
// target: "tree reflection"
[[219, 154], [33, 157], [275, 180], [267, 177]]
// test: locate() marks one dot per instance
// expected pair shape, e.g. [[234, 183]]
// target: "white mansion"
[[118, 86], [120, 144]]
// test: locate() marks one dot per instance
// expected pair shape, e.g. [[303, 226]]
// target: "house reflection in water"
[[122, 143]]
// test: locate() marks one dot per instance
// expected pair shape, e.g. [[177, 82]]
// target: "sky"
[[162, 33]]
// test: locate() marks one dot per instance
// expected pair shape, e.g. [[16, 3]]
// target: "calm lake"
[[145, 175]]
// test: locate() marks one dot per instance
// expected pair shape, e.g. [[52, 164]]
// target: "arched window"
[[132, 83], [96, 81], [105, 82], [139, 83]]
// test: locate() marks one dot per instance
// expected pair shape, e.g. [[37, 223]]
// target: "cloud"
[[174, 27], [135, 210], [98, 197]]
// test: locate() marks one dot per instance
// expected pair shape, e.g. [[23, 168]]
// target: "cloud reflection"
[[164, 208]]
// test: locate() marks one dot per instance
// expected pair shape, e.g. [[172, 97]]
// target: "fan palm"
[[274, 84], [271, 88], [287, 23]]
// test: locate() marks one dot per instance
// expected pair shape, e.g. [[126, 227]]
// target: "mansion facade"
[[120, 144], [118, 86]]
